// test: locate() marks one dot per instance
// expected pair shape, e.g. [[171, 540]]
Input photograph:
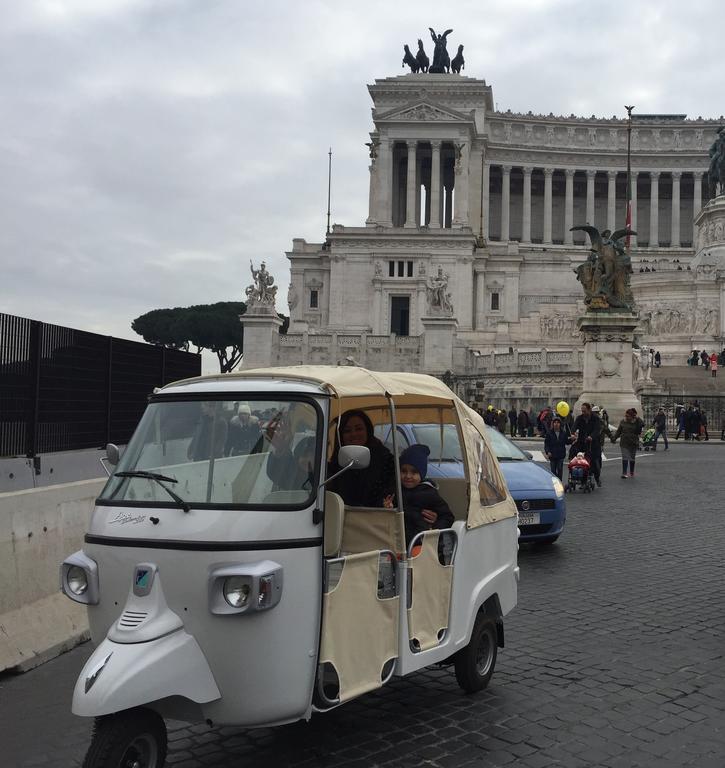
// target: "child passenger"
[[423, 507]]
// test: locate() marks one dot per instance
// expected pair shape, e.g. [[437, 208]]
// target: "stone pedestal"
[[608, 362], [438, 336], [261, 338]]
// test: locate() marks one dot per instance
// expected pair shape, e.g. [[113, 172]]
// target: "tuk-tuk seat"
[[334, 523], [454, 490]]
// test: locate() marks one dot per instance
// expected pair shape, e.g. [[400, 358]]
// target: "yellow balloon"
[[562, 408]]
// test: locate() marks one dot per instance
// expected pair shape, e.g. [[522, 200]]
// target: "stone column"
[[410, 191], [384, 169], [460, 185], [486, 198], [526, 233], [611, 199], [548, 173], [696, 201], [569, 207], [675, 229], [505, 201], [435, 185], [654, 209], [591, 176]]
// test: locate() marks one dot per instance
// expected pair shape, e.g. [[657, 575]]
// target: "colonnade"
[[428, 166], [612, 222]]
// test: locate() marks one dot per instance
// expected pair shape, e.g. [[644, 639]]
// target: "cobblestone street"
[[614, 657]]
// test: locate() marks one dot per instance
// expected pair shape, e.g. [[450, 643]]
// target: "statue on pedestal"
[[642, 364], [439, 299], [605, 274], [262, 294], [716, 172]]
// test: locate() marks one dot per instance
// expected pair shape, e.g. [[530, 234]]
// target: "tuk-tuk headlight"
[[79, 578], [236, 591], [245, 587]]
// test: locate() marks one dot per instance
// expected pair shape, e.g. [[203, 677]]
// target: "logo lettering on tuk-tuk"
[[127, 517]]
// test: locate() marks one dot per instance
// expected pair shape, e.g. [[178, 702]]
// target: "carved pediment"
[[423, 112]]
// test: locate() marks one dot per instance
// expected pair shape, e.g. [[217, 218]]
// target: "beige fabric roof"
[[353, 381]]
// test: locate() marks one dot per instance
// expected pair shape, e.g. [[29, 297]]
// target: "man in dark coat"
[[512, 421], [587, 431]]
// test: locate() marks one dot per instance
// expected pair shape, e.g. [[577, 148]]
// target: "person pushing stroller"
[[587, 431]]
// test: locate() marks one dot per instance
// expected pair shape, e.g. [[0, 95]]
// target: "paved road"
[[614, 658]]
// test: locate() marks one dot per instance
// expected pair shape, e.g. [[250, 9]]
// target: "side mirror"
[[529, 455], [358, 455], [112, 454]]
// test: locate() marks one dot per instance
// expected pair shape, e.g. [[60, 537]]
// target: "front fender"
[[119, 676]]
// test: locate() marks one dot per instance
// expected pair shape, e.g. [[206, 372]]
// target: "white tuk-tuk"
[[221, 591]]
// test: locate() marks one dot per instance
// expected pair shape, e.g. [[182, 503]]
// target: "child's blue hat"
[[417, 456]]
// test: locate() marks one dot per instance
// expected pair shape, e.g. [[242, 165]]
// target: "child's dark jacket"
[[424, 496]]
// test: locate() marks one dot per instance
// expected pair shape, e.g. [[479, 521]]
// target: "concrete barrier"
[[38, 529]]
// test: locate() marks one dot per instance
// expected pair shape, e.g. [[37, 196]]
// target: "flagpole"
[[628, 215], [329, 186]]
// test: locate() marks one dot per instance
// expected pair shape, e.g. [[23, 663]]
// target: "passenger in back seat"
[[363, 487], [423, 507]]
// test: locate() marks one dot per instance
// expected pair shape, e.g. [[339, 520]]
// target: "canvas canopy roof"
[[418, 397]]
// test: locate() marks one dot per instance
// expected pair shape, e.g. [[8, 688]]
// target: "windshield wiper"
[[160, 479]]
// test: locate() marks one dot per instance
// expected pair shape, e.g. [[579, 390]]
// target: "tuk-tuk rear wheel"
[[475, 663], [135, 738]]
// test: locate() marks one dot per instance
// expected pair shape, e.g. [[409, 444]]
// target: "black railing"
[[62, 389], [713, 406]]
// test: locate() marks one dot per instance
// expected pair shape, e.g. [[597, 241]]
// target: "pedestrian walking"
[[703, 424], [587, 430], [512, 421], [705, 359], [681, 422], [658, 359], [555, 443], [692, 427], [713, 364], [660, 425], [628, 432], [523, 423]]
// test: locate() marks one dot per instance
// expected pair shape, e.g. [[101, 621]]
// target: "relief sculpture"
[[558, 326], [678, 318]]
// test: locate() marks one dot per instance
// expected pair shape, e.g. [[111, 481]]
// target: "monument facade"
[[484, 202]]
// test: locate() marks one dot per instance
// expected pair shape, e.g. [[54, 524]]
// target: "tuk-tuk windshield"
[[257, 453]]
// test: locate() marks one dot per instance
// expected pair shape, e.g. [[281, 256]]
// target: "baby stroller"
[[579, 474], [648, 440]]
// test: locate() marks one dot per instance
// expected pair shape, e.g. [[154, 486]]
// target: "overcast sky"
[[150, 148]]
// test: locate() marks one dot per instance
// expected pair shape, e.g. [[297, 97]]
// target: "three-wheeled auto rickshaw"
[[224, 588]]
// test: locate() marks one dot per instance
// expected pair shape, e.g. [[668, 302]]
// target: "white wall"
[[38, 529]]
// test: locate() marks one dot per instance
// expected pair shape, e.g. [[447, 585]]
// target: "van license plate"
[[529, 518]]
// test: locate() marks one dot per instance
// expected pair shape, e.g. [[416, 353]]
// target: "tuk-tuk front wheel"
[[475, 663], [135, 738]]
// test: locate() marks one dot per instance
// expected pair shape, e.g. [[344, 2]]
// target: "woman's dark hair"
[[361, 415], [556, 418]]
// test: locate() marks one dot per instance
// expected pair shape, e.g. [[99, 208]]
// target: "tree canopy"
[[215, 327]]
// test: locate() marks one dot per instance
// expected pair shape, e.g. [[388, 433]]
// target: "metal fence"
[[713, 406], [63, 389]]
